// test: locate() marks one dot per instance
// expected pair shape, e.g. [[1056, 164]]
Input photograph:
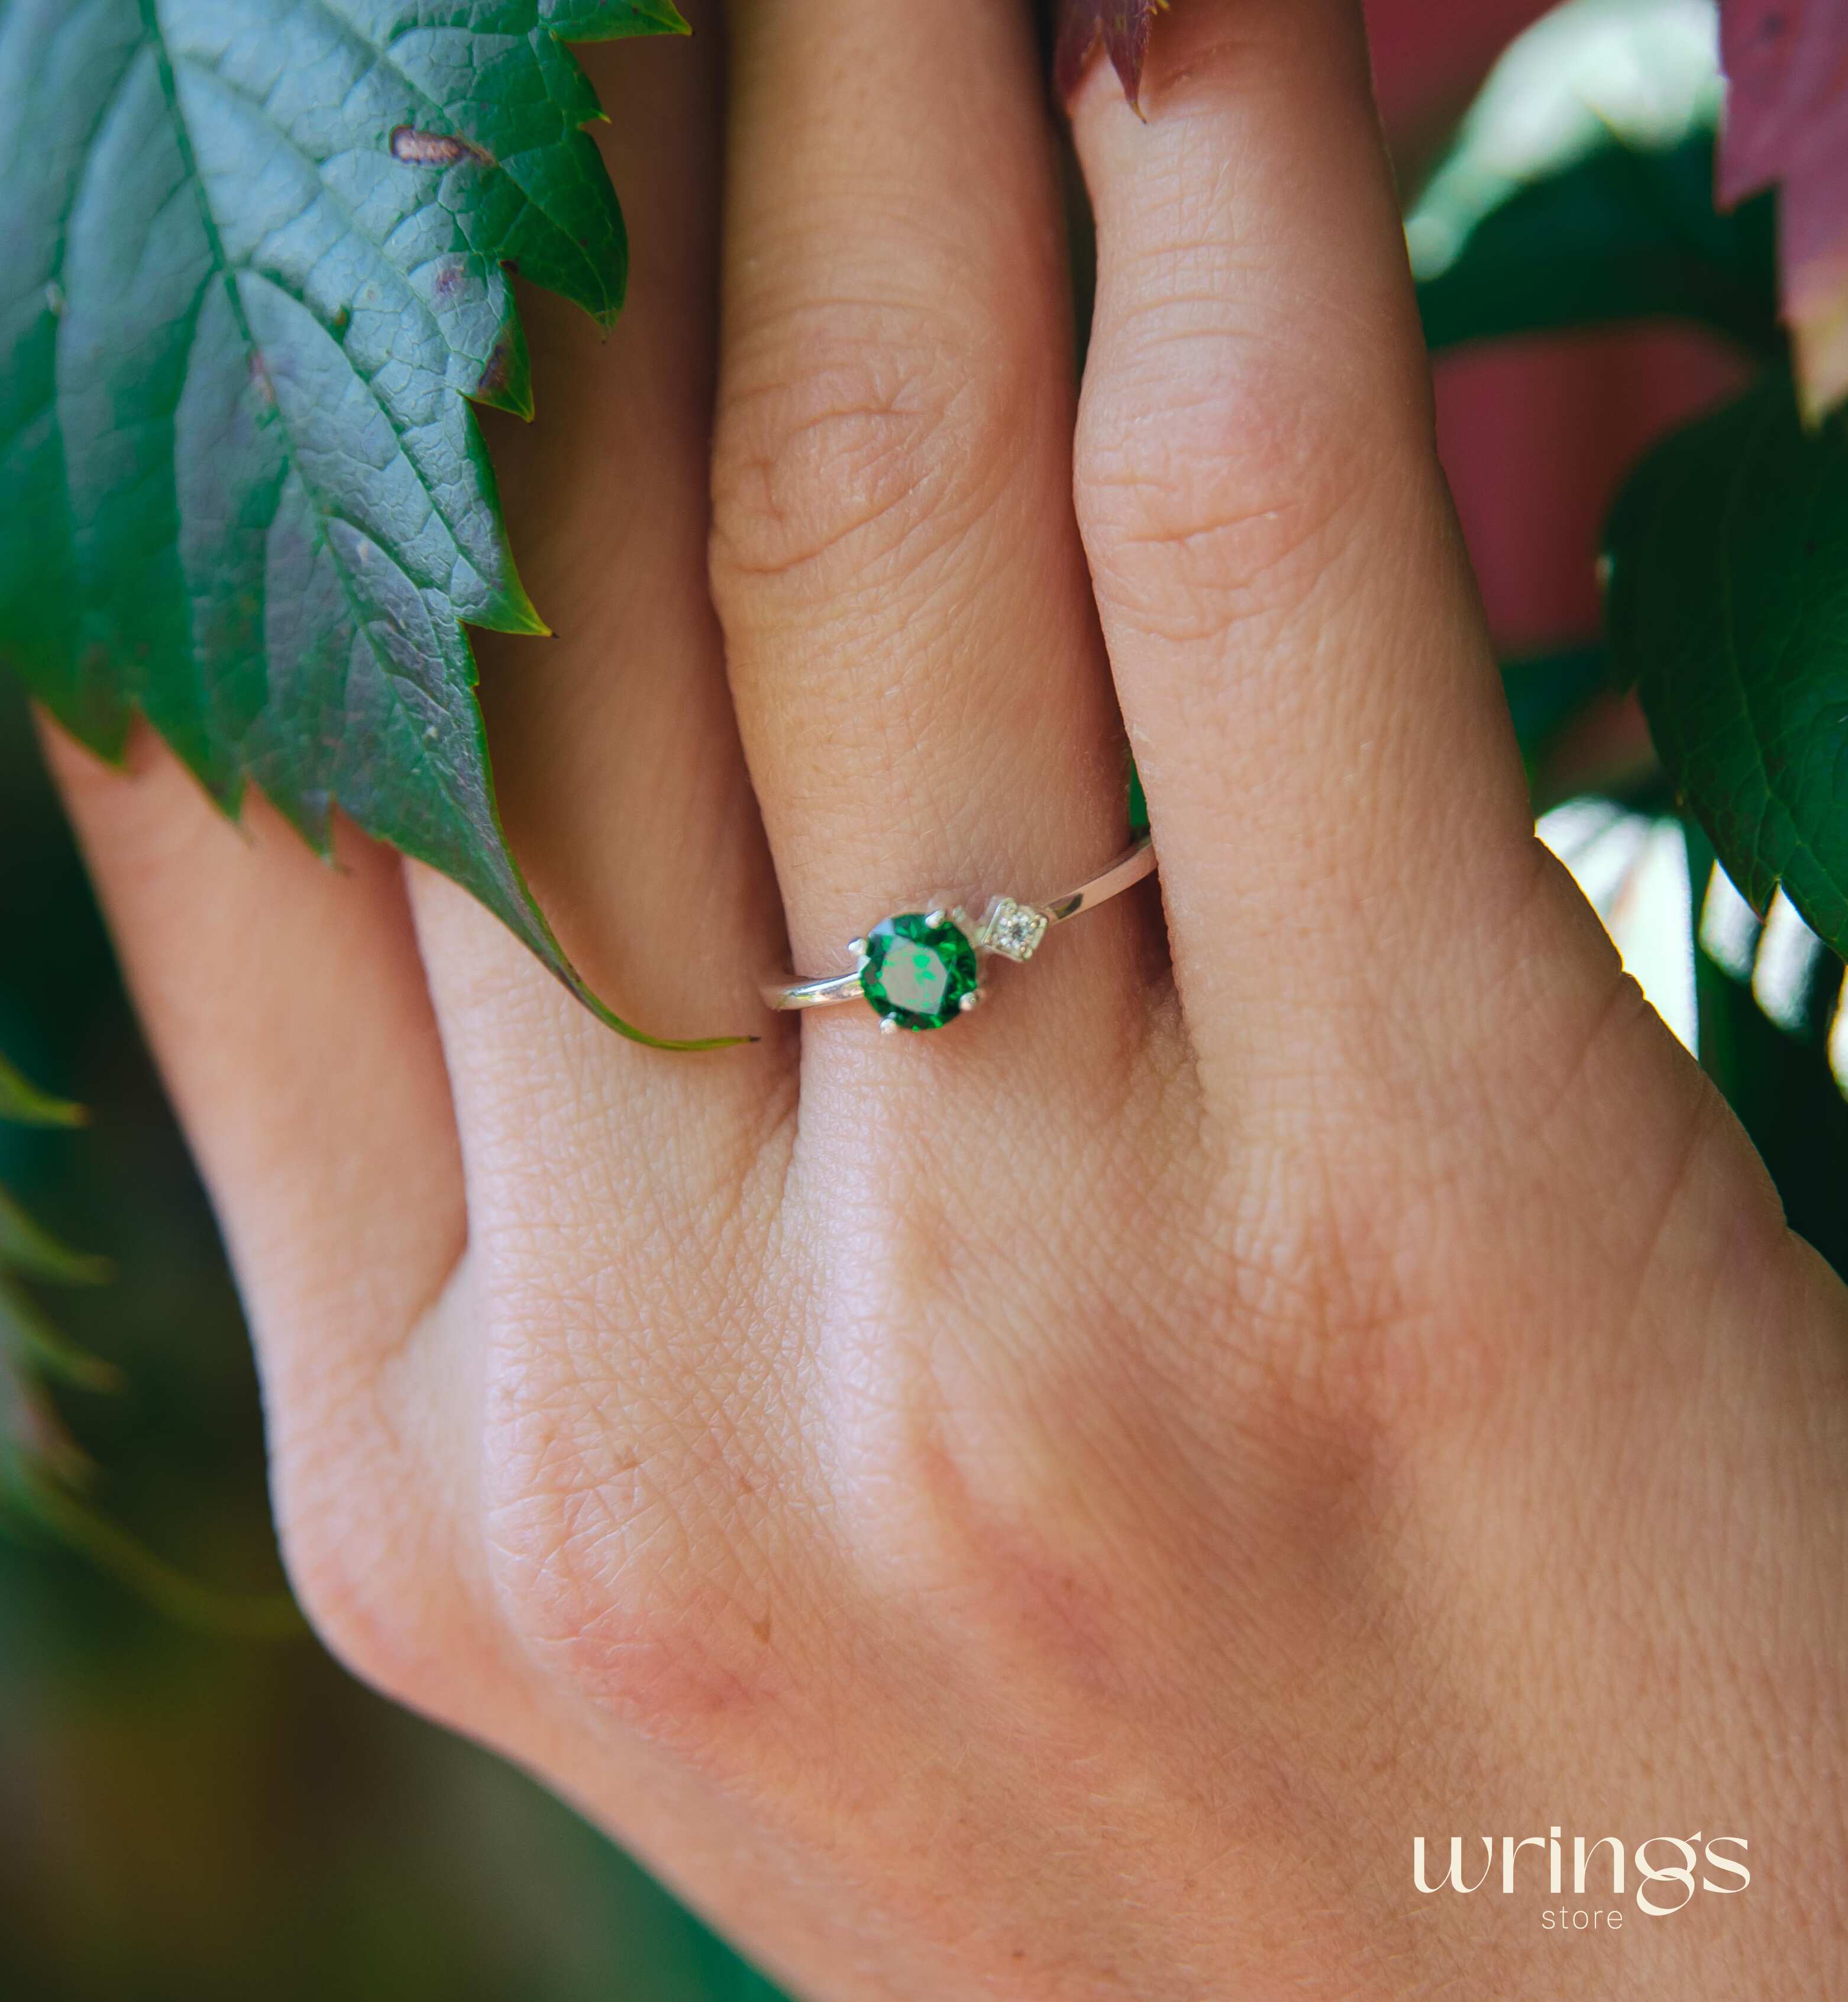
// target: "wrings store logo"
[[1660, 1886]]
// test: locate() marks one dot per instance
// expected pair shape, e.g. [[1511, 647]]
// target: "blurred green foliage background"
[[184, 1816]]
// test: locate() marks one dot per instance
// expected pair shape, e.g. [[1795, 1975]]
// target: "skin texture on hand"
[[1051, 1509]]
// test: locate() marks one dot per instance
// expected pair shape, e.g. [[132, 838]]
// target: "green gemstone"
[[917, 974]]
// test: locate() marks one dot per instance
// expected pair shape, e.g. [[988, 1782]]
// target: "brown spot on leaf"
[[499, 369], [418, 149]]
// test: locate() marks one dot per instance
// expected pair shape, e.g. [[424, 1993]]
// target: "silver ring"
[[922, 969]]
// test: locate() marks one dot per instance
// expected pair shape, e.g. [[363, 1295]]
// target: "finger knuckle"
[[1375, 1327], [608, 1586], [621, 1557], [852, 443], [1211, 481], [1068, 1522]]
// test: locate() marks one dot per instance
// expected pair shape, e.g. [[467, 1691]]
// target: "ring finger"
[[919, 682]]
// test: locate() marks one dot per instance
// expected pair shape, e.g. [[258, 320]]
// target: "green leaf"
[[1779, 1085], [34, 1340], [25, 1105], [1138, 803], [1547, 692], [1727, 604], [1579, 191], [34, 1253], [725, 1977], [43, 1473], [257, 258], [34, 1445], [36, 1500]]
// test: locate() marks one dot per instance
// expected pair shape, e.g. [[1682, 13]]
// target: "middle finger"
[[922, 694]]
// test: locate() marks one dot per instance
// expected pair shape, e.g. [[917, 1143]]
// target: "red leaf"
[[1122, 26], [1787, 120]]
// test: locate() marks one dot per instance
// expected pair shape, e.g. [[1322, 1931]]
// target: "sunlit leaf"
[[1579, 190], [1790, 1092]]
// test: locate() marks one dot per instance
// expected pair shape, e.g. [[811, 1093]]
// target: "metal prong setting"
[[1012, 930], [1008, 928], [888, 1026]]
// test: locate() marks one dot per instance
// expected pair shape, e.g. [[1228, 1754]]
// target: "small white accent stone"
[[1013, 930]]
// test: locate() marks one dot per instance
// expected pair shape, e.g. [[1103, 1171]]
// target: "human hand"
[[1051, 1509]]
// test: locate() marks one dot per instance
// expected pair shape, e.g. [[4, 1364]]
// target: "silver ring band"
[[922, 969]]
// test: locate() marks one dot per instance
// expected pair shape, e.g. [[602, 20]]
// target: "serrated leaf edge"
[[524, 618]]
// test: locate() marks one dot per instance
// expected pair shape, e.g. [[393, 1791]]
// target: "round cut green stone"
[[915, 973]]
